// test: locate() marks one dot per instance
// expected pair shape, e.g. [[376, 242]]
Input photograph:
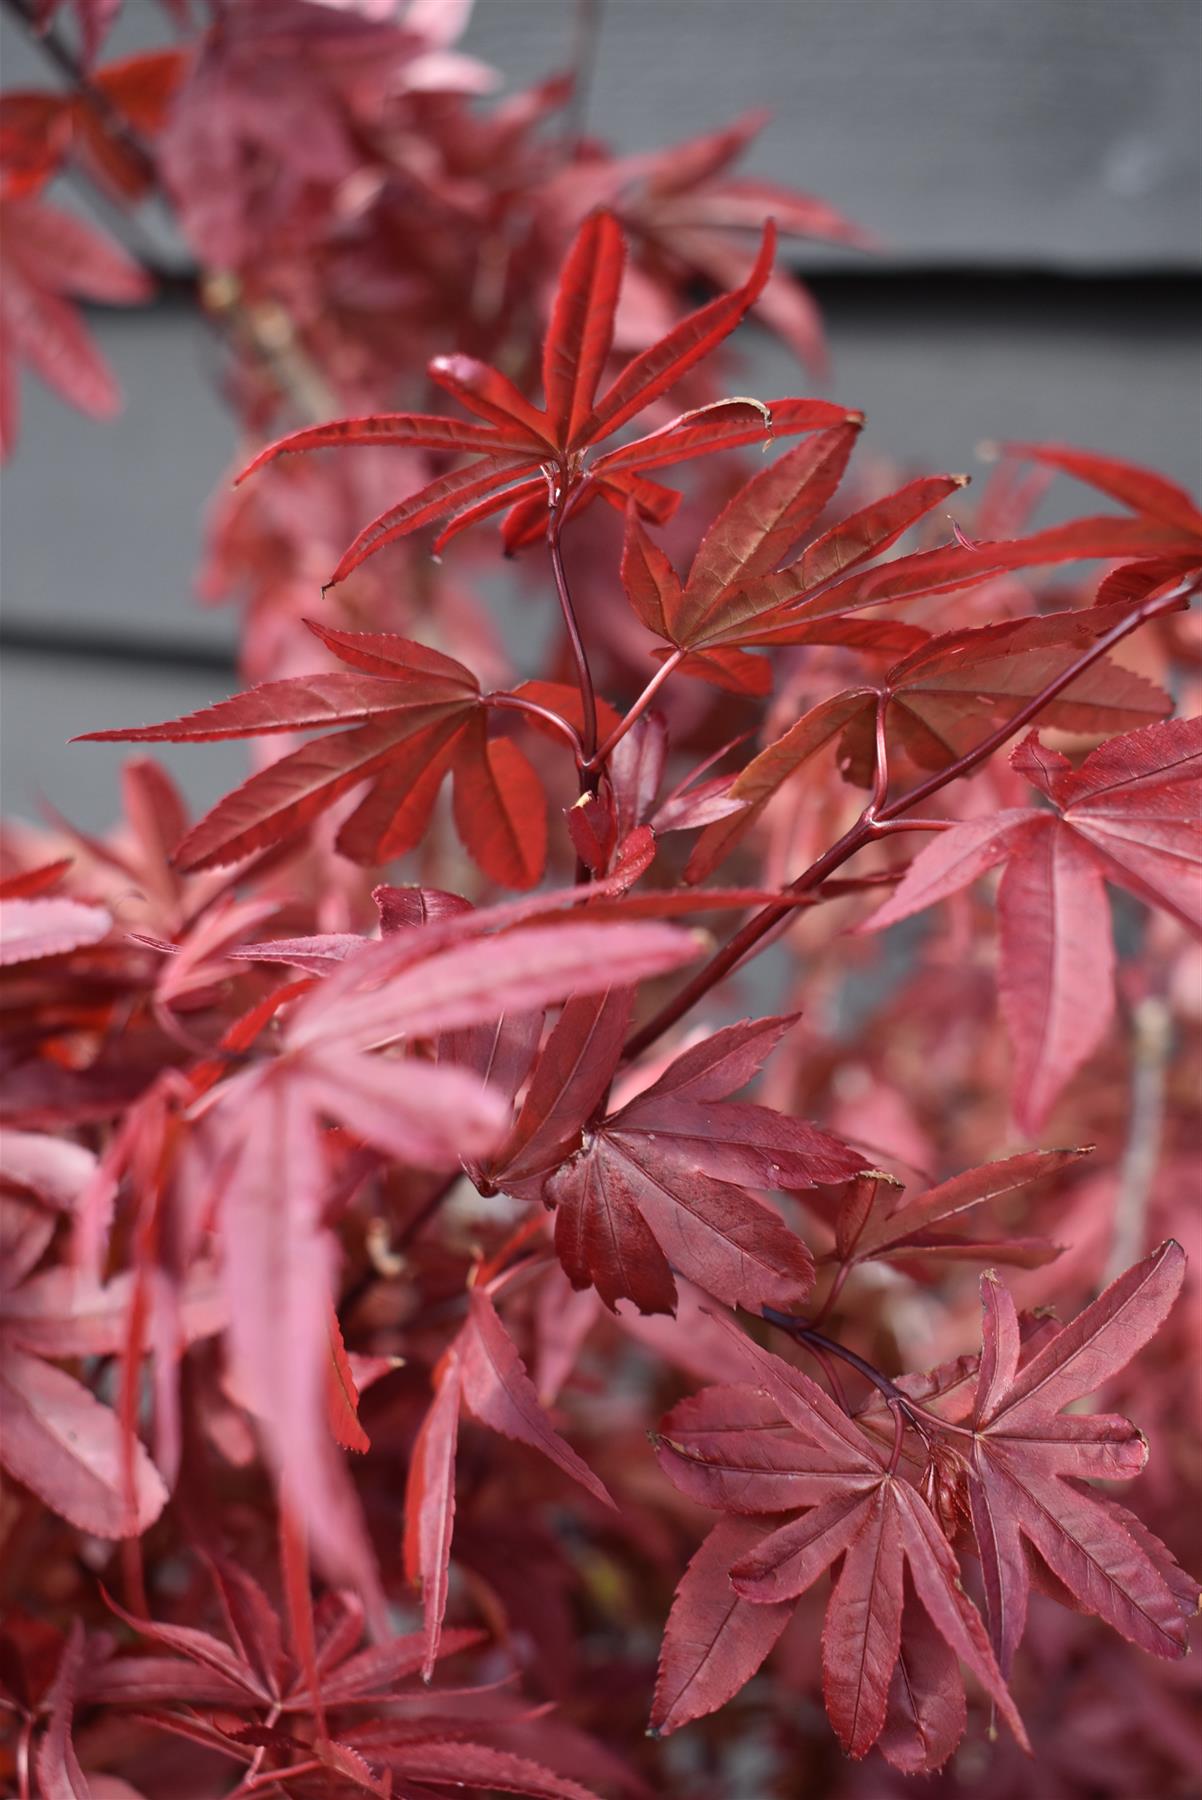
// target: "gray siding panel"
[[1054, 132], [1061, 133]]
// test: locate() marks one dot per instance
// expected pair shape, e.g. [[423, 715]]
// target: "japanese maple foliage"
[[384, 1168]]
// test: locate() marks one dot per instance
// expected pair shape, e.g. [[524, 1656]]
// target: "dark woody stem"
[[876, 820], [94, 98], [821, 1347]]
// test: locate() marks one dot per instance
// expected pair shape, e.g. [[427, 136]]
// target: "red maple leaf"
[[277, 1247], [1150, 496], [59, 1439], [527, 457], [407, 716], [327, 1716], [1030, 1462], [874, 1223], [777, 1446], [663, 1182], [482, 1370], [1129, 815], [688, 214], [936, 703]]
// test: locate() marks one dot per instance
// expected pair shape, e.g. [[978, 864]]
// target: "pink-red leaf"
[[70, 1450], [430, 1505], [1056, 979], [499, 1392], [500, 811], [1140, 489], [33, 929]]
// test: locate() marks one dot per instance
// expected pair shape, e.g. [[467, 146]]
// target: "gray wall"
[[1032, 164]]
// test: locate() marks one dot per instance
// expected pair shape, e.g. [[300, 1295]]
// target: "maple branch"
[[889, 826], [1153, 1035], [124, 226], [868, 827], [666, 668], [747, 937], [820, 1346], [411, 1229], [417, 1223], [584, 677], [267, 329], [1139, 615], [97, 101]]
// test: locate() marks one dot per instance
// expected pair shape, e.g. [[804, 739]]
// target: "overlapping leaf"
[[754, 535], [277, 1249], [1131, 815], [665, 1183], [407, 717], [782, 1445], [813, 597], [874, 1223], [58, 1439], [1145, 492], [253, 1699], [50, 258], [940, 700], [483, 1370], [1031, 1461], [527, 457]]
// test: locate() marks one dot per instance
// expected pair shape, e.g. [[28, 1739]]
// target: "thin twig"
[[266, 329], [817, 1341], [668, 667], [69, 66], [1152, 1032], [584, 676], [517, 703], [868, 827]]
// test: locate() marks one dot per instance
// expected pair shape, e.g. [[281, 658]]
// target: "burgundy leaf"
[[1030, 1461], [714, 1640], [499, 1392]]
